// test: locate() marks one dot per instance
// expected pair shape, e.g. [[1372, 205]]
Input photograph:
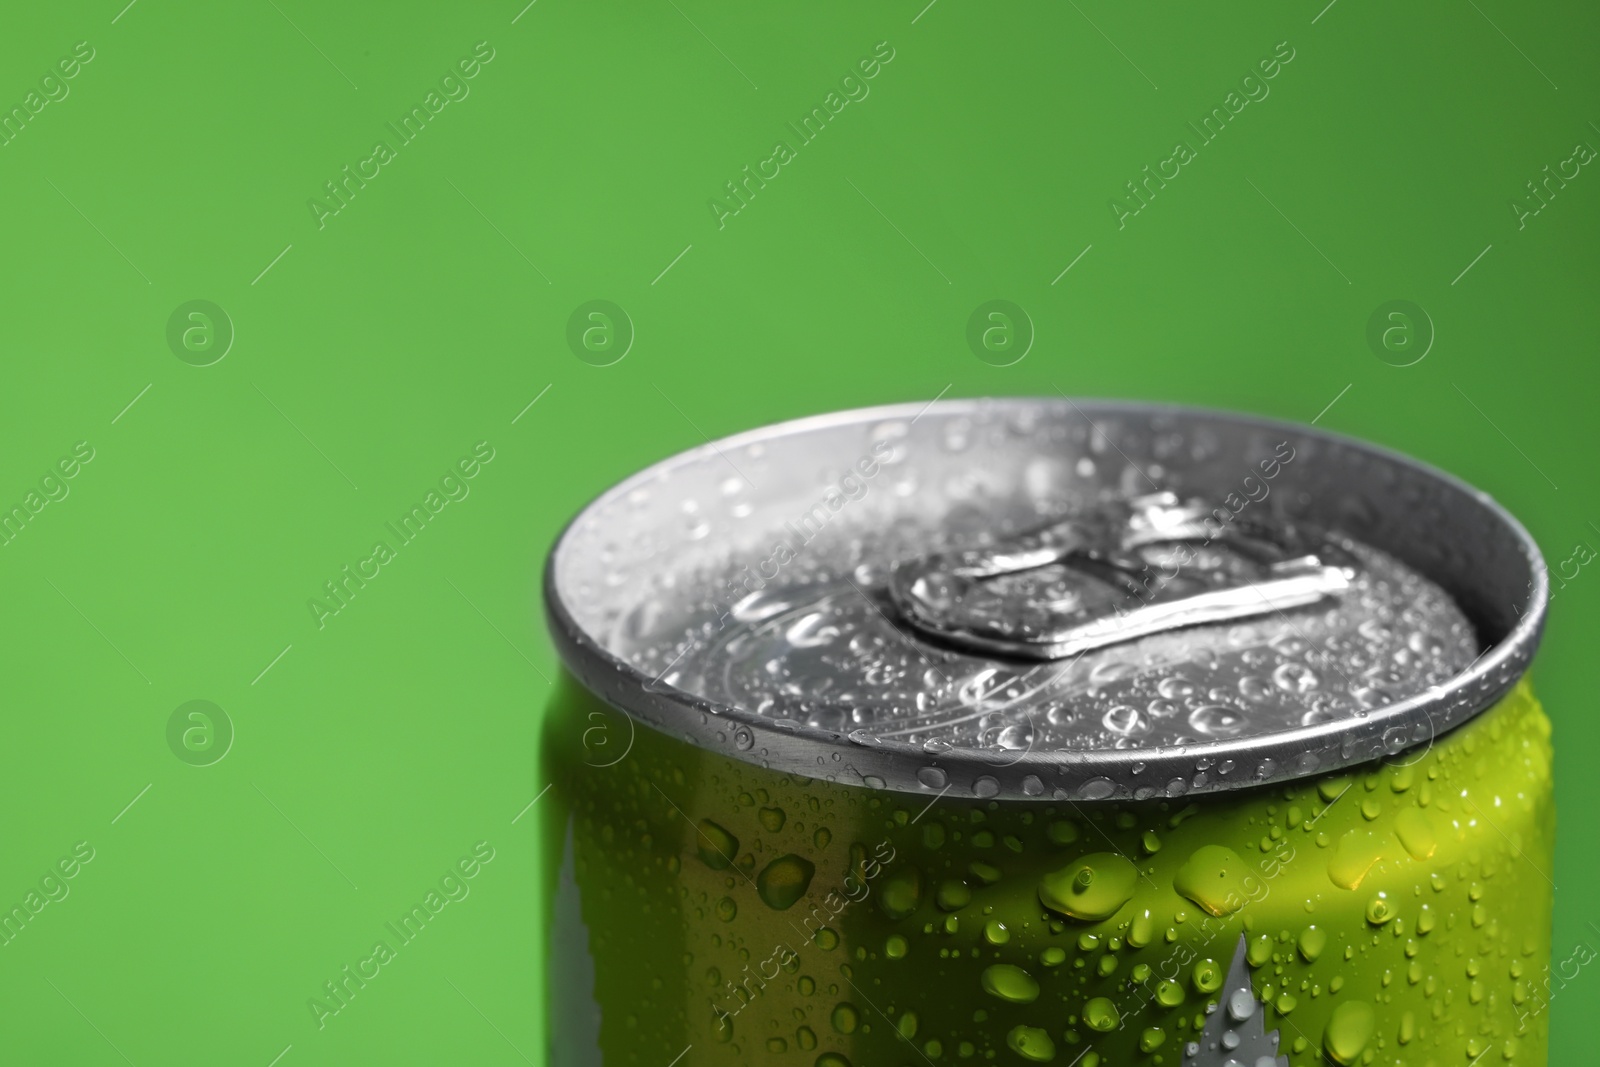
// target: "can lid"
[[1041, 599]]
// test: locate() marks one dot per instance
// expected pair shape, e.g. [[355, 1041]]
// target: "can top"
[[1046, 599]]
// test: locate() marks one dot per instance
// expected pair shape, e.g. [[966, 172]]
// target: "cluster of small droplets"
[[1371, 917]]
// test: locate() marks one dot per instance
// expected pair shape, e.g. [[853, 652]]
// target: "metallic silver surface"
[[738, 596], [1235, 1033], [1141, 569]]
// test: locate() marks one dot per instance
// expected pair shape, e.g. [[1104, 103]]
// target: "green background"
[[374, 352]]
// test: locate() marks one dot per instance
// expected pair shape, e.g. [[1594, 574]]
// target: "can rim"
[[632, 691]]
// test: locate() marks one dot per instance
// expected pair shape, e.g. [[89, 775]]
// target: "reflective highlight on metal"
[[1099, 588]]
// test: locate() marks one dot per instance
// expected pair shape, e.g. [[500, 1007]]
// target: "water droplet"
[[956, 435], [814, 629], [1214, 878], [1016, 737], [1217, 720], [1124, 721], [1356, 855], [1101, 1014], [1097, 789], [1176, 688], [1207, 976], [1295, 678], [1255, 687], [716, 846], [1009, 982], [784, 881], [1349, 1029], [1331, 789], [902, 893], [1031, 1043], [952, 895], [1415, 834], [932, 777], [771, 819], [1312, 942], [1092, 889], [985, 787]]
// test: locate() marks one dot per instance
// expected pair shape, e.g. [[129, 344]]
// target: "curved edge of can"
[[1058, 776]]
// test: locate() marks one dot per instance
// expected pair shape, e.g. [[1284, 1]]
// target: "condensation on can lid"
[[1046, 599]]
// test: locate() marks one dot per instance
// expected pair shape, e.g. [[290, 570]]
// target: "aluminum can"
[[1024, 731]]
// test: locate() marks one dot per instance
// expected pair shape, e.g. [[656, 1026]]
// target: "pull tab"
[[1144, 566]]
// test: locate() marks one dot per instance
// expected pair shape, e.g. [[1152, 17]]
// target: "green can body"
[[726, 914]]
